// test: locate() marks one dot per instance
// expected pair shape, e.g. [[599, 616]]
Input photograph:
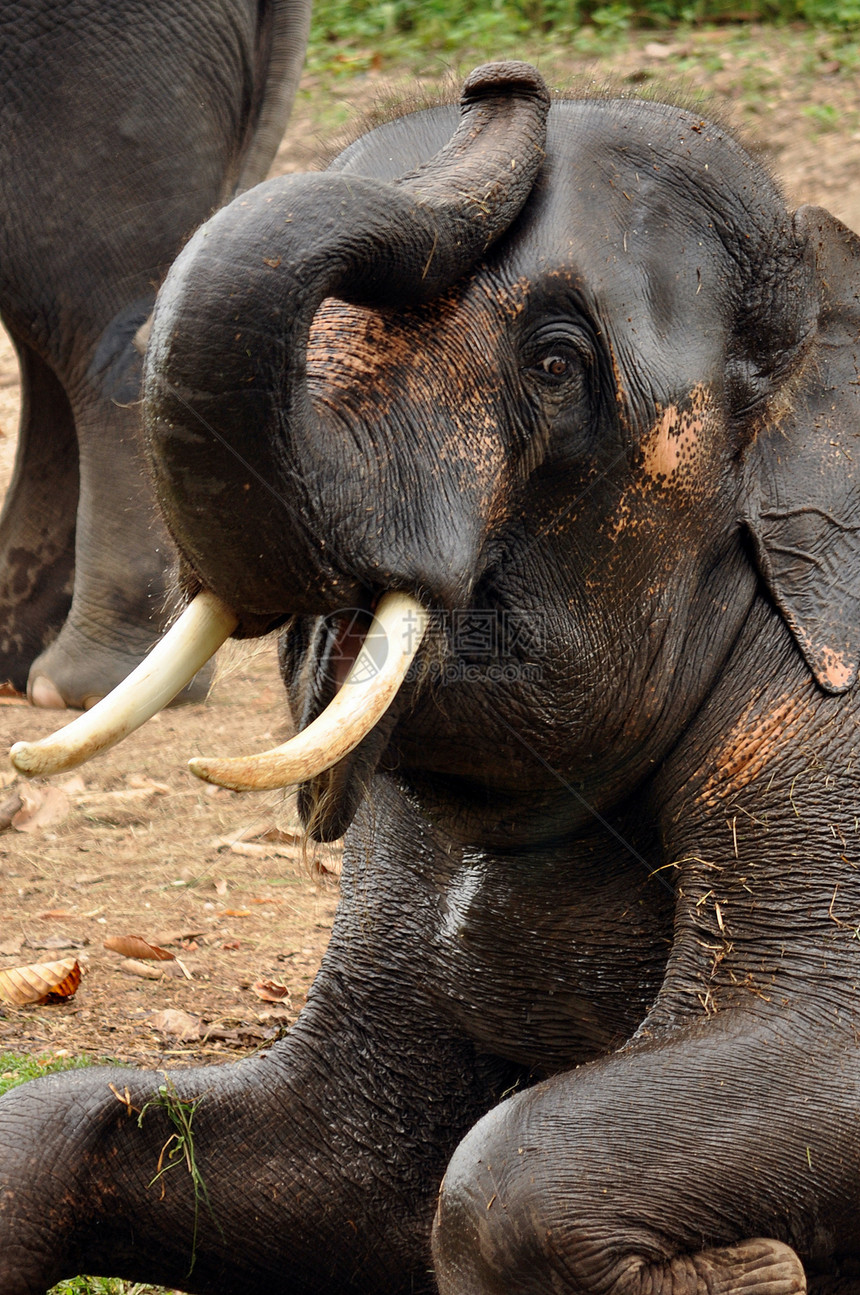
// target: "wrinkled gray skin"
[[123, 126], [624, 423]]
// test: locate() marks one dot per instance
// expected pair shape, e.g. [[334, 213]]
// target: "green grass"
[[351, 35], [15, 1069]]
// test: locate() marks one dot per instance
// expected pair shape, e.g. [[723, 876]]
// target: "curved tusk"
[[174, 661], [367, 692]]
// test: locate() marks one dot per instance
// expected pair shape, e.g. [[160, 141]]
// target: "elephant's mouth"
[[344, 732], [348, 645]]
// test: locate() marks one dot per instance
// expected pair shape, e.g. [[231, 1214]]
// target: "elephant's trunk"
[[240, 457]]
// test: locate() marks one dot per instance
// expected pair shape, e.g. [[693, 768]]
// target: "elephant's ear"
[[803, 472]]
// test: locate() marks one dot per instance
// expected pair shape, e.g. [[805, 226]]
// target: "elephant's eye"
[[558, 365], [555, 366]]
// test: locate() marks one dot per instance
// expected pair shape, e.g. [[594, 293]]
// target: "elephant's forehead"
[[638, 201], [629, 183], [591, 143]]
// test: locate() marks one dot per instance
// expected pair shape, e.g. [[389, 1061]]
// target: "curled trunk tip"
[[509, 77]]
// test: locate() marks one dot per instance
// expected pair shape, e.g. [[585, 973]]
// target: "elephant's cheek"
[[681, 487], [677, 452]]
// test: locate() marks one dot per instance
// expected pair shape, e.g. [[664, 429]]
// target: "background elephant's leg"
[[702, 1163], [124, 595], [37, 526]]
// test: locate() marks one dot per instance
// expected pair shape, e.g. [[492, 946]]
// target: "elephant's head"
[[598, 399]]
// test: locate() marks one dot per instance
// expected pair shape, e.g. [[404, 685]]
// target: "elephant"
[[538, 411], [124, 126]]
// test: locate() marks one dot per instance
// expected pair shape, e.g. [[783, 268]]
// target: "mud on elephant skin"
[[595, 963], [124, 126]]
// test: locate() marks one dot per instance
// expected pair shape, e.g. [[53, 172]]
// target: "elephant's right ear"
[[802, 500]]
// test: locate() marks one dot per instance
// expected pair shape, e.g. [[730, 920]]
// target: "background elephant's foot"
[[78, 669]]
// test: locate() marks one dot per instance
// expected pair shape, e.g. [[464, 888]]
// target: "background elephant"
[[598, 392], [123, 127]]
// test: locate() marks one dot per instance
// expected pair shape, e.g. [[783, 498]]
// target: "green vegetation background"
[[402, 28]]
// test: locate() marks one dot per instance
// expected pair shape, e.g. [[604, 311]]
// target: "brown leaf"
[[73, 786], [40, 982], [139, 781], [172, 1021], [236, 912], [52, 942], [270, 991], [146, 971], [41, 807], [181, 937], [8, 809], [134, 946]]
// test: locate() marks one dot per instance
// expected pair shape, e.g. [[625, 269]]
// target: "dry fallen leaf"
[[40, 807], [145, 970], [134, 946], [247, 841], [181, 937], [52, 942], [8, 809], [270, 991], [140, 782], [173, 1021], [40, 982]]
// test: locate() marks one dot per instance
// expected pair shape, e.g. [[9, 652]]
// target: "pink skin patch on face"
[[674, 449]]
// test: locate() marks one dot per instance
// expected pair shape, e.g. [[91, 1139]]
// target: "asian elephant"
[[576, 413], [123, 126]]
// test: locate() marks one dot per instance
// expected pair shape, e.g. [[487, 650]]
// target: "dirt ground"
[[136, 846]]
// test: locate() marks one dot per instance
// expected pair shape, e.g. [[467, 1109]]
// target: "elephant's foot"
[[693, 1164], [495, 1255], [760, 1266], [77, 670]]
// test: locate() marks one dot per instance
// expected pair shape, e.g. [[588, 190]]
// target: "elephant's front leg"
[[316, 1165], [301, 1171], [718, 1161]]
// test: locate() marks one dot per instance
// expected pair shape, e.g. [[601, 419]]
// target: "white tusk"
[[367, 692], [174, 661]]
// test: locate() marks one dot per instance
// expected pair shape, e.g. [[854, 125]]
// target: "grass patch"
[[106, 1286], [178, 1150], [16, 1069]]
